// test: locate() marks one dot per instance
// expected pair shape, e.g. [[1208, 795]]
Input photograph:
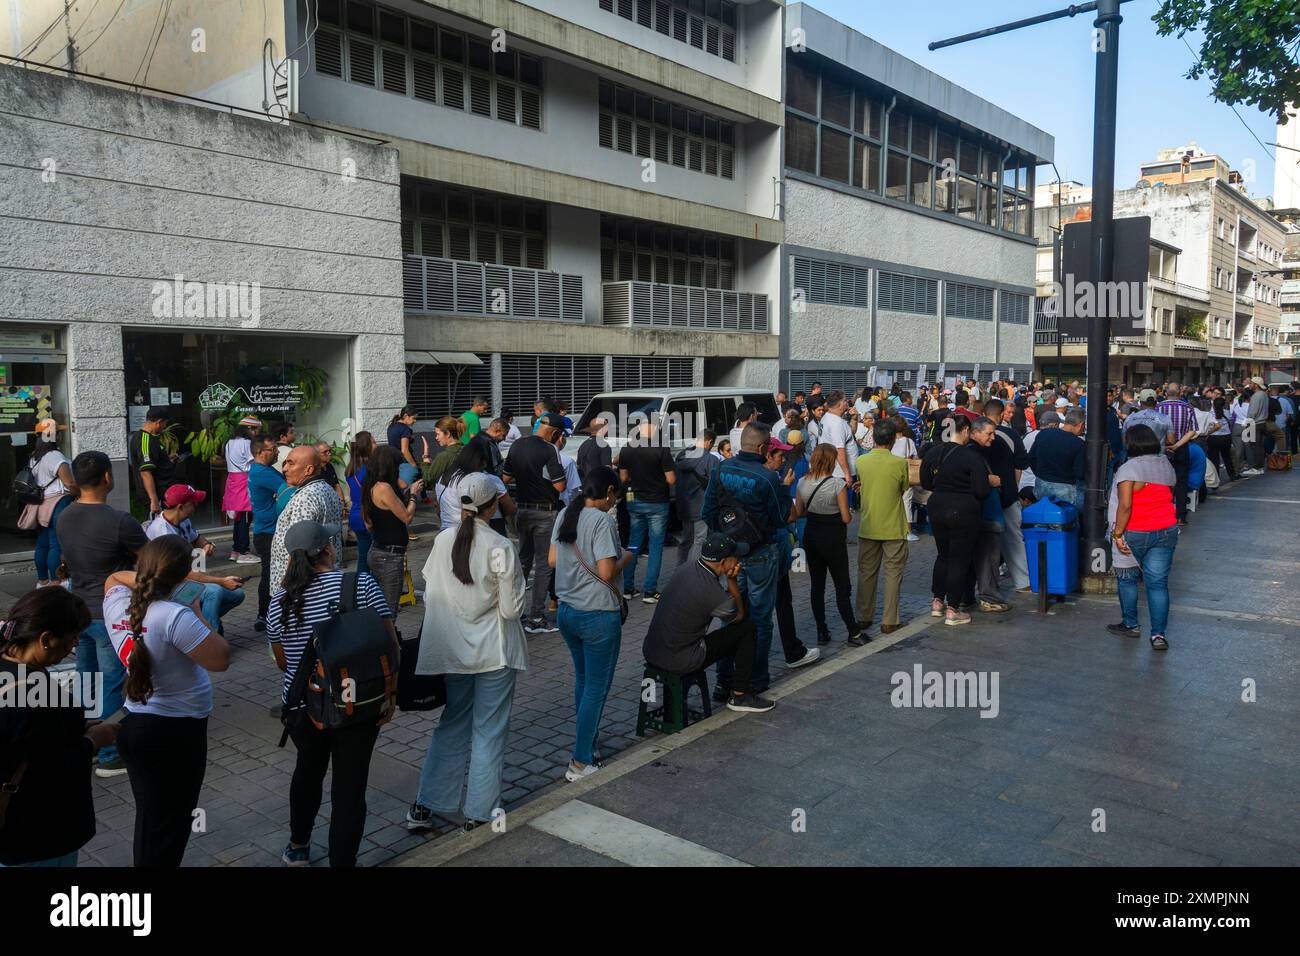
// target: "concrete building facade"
[[157, 253], [908, 218]]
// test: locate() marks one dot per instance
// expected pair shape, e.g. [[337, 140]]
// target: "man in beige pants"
[[882, 533]]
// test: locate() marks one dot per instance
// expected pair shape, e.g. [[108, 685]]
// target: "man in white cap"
[[1253, 436]]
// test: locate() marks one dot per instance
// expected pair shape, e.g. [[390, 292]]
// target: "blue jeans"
[[474, 725], [217, 601], [68, 859], [1154, 551], [407, 473], [364, 540], [594, 638], [95, 655], [760, 577], [48, 552], [646, 519], [1071, 494]]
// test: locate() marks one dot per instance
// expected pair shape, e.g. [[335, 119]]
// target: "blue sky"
[[1044, 74]]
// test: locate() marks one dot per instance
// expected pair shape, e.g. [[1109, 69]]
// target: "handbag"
[[417, 691], [622, 601], [45, 510], [1211, 475], [29, 518], [914, 471]]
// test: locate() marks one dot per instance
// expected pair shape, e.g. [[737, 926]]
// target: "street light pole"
[[1096, 546]]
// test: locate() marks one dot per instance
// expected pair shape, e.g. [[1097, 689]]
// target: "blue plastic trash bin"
[[1052, 524]]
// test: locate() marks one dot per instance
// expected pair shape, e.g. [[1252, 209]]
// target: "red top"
[[1153, 509]]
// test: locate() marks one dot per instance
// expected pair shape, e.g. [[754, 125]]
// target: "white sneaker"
[[1252, 472], [810, 654], [574, 774], [913, 537], [248, 559]]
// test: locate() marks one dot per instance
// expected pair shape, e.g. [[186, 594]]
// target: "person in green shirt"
[[882, 533], [477, 408]]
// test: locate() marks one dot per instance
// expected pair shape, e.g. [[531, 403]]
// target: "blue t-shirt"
[[355, 521], [263, 483], [396, 432]]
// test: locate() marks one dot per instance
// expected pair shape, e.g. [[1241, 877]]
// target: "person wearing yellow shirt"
[[882, 532]]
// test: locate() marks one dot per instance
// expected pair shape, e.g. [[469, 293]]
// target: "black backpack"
[[735, 521], [348, 670], [26, 490]]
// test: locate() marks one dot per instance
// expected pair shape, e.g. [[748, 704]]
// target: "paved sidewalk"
[[1185, 771]]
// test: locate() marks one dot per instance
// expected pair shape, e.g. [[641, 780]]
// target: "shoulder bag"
[[613, 589]]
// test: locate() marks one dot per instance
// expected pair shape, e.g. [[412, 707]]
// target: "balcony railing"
[[1179, 288], [1243, 344], [1243, 299], [662, 306], [1183, 342], [476, 288]]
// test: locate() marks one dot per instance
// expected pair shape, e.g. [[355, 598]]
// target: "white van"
[[681, 414]]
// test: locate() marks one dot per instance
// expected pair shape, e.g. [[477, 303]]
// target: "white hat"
[[1062, 402], [477, 490]]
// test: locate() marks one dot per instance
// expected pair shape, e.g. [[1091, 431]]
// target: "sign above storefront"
[[259, 399], [23, 339]]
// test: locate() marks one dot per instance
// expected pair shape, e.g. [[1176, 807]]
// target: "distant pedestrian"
[[363, 446], [472, 417], [958, 480], [883, 530], [646, 468], [152, 464], [285, 436], [446, 434], [823, 499], [52, 473], [401, 437], [693, 466], [387, 511], [238, 456]]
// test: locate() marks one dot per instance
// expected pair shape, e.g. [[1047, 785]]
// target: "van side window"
[[681, 420], [765, 402], [720, 414]]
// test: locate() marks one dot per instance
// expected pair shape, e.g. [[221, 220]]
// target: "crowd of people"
[[533, 541]]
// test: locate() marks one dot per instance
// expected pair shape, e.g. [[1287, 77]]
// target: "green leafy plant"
[[310, 381], [207, 443], [1192, 327]]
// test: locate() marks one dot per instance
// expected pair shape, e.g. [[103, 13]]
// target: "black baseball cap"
[[551, 418], [718, 546]]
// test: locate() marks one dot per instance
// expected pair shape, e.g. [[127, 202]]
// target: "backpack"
[[26, 490], [735, 521], [348, 670]]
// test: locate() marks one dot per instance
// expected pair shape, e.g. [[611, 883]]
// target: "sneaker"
[[1158, 643], [859, 639], [955, 618], [474, 825], [295, 855], [810, 654], [750, 703], [235, 556], [1027, 589], [936, 608], [259, 624], [1252, 472], [721, 693], [540, 625], [574, 774], [1123, 630], [650, 597], [419, 818], [248, 559], [994, 607], [631, 595], [913, 537], [823, 636], [111, 768]]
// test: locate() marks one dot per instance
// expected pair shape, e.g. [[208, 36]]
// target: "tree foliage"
[[1249, 49]]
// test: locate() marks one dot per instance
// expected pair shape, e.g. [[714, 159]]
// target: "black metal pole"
[[1096, 548]]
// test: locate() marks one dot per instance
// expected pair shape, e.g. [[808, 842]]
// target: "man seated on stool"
[[678, 639], [220, 593]]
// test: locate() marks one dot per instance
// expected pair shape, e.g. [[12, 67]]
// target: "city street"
[[1186, 772]]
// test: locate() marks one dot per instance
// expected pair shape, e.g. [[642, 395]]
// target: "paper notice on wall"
[[871, 375], [135, 416], [18, 438], [1011, 375], [159, 396], [884, 380], [920, 375], [976, 374], [950, 381], [176, 398]]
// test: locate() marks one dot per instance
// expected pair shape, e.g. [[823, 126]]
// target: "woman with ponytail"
[[159, 633], [45, 748], [474, 596], [588, 560]]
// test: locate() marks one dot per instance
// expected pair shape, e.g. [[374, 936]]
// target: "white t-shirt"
[[835, 430], [46, 472], [160, 526], [238, 455], [904, 448], [449, 499], [734, 435], [572, 482], [181, 688]]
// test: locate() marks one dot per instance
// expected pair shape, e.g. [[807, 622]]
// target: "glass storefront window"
[[300, 379]]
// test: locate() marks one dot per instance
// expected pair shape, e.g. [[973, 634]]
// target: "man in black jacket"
[[1007, 458], [693, 466]]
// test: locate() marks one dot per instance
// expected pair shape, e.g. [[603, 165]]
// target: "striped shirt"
[[1181, 416], [911, 416], [317, 606]]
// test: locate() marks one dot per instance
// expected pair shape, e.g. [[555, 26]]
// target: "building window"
[[448, 223], [385, 50], [1013, 308], [635, 251], [708, 25], [633, 372], [831, 283], [961, 301], [834, 126], [642, 125], [896, 292]]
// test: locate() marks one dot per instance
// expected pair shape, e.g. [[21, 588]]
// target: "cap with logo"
[[717, 546], [183, 495]]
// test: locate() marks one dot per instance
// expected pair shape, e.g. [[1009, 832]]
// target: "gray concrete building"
[[158, 253], [908, 221]]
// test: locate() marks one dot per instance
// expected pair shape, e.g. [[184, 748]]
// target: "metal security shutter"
[[632, 372], [394, 71], [847, 381], [426, 80], [437, 390], [328, 47], [896, 292], [962, 301], [832, 283], [530, 108], [573, 379], [361, 62], [1014, 308], [453, 87]]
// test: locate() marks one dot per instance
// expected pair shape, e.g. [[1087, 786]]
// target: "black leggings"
[[955, 519], [349, 749], [166, 758], [827, 549], [1218, 449]]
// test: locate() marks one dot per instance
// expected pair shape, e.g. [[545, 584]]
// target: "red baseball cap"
[[183, 495], [775, 444]]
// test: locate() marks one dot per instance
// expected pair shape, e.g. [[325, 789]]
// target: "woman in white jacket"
[[474, 597]]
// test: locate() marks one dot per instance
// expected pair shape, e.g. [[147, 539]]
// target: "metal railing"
[[1179, 288], [476, 288], [1243, 299], [1183, 342], [663, 306]]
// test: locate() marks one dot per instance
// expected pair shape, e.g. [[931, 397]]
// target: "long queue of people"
[[516, 515]]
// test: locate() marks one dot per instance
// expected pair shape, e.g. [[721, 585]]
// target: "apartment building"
[[589, 188], [908, 202], [1289, 329], [1214, 292]]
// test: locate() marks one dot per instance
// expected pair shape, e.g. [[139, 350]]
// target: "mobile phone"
[[187, 592]]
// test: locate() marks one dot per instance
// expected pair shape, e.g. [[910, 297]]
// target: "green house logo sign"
[[260, 399]]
